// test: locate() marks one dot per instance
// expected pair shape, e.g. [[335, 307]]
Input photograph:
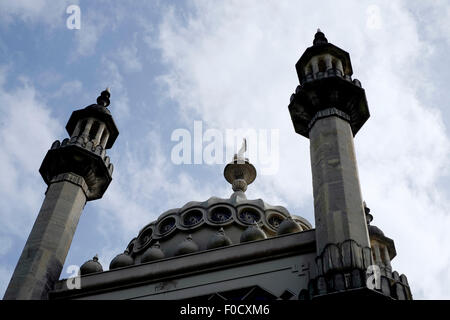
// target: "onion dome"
[[375, 231], [252, 233], [91, 266], [187, 246], [203, 220], [153, 253], [121, 260], [218, 240], [288, 226], [98, 111], [319, 38], [369, 217]]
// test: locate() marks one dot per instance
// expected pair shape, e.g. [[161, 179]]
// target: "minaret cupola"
[[326, 87], [92, 130]]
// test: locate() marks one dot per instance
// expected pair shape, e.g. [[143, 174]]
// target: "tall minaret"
[[329, 108], [76, 170]]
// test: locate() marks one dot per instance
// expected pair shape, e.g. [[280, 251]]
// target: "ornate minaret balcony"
[[92, 130], [326, 88]]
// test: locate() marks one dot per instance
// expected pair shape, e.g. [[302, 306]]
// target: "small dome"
[[288, 226], [253, 233], [218, 240], [91, 266], [375, 231], [153, 253], [121, 260], [187, 246]]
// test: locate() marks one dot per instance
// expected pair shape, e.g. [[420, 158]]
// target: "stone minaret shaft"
[[329, 108], [76, 170], [338, 204]]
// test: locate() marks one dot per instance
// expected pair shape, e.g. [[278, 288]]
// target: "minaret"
[[329, 108], [76, 170]]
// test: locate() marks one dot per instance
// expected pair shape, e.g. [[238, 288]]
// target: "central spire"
[[240, 172]]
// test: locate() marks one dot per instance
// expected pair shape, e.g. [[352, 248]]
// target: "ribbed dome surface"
[[253, 233], [121, 260], [187, 246], [214, 223], [288, 226], [153, 253], [218, 240], [91, 266]]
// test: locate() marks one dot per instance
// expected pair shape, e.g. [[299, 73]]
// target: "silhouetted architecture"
[[225, 249]]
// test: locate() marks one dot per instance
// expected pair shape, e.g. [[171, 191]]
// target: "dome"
[[187, 246], [375, 231], [121, 260], [153, 253], [253, 233], [288, 226], [215, 222], [218, 240], [91, 266]]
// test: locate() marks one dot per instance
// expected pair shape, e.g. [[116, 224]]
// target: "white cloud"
[[5, 276], [128, 56], [50, 12], [113, 79], [93, 25], [72, 87], [27, 130], [232, 64], [145, 185]]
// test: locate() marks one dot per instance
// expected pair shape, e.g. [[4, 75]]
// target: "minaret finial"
[[369, 217], [103, 99], [319, 38]]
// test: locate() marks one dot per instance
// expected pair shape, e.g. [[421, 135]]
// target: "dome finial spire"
[[240, 172]]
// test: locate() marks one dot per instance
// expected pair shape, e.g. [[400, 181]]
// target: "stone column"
[[377, 254], [104, 139], [339, 66], [76, 132], [315, 66], [99, 134], [87, 128], [338, 204], [328, 62], [45, 251]]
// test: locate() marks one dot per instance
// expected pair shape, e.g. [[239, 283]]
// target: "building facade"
[[224, 249]]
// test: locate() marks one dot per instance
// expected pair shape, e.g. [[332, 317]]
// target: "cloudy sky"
[[227, 65]]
